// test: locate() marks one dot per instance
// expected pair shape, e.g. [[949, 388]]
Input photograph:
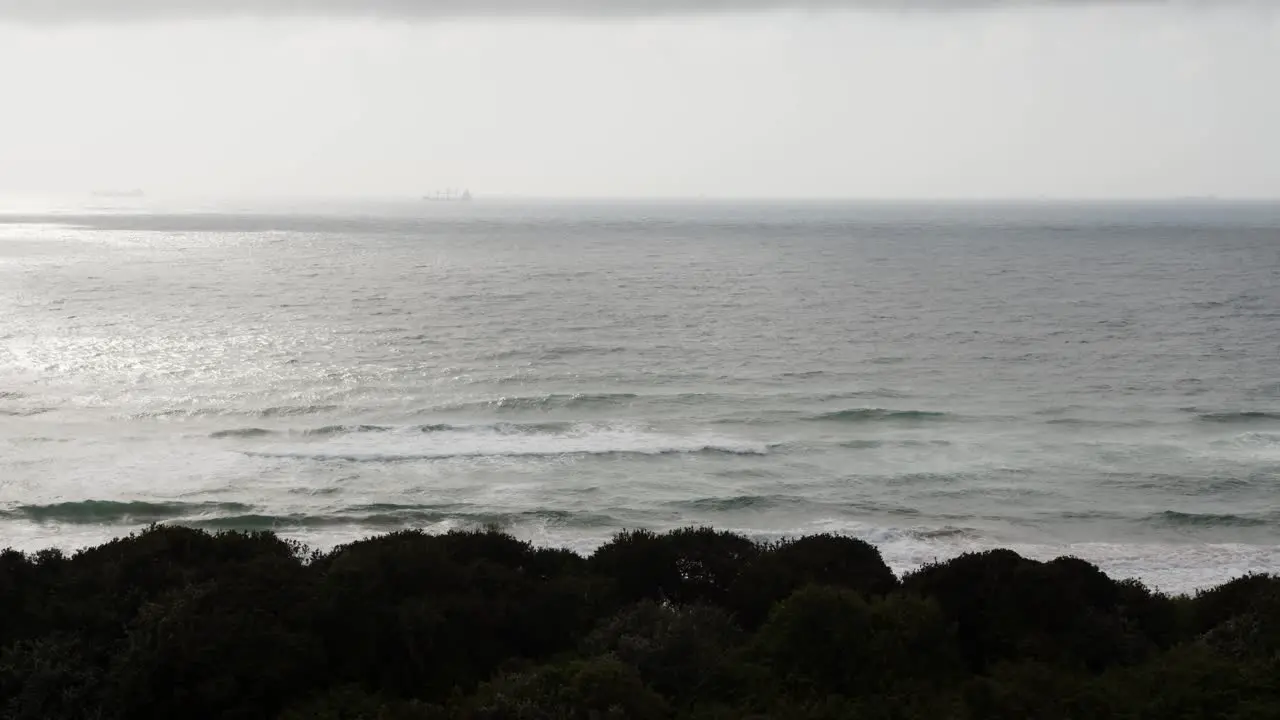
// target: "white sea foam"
[[497, 441]]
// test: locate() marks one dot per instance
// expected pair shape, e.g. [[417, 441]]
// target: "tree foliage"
[[695, 623]]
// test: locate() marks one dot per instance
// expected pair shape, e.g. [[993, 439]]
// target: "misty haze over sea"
[[1093, 379]]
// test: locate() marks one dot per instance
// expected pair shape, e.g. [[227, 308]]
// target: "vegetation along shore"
[[175, 622]]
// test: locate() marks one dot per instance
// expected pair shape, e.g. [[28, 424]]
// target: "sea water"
[[1101, 380]]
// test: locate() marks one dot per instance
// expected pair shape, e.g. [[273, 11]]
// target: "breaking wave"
[[1240, 417], [868, 415], [332, 431], [554, 401], [740, 502], [25, 412], [405, 516], [447, 454], [239, 516], [1256, 440], [374, 444], [1184, 519], [277, 411], [96, 512], [241, 433], [734, 503]]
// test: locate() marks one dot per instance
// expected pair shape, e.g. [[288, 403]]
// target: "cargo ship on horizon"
[[448, 196]]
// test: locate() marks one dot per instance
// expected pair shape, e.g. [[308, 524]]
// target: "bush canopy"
[[175, 622]]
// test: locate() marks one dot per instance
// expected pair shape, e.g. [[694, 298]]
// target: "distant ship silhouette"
[[448, 196]]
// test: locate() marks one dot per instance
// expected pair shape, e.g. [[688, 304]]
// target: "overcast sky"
[[723, 98]]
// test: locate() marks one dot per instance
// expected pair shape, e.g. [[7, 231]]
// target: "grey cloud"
[[55, 11]]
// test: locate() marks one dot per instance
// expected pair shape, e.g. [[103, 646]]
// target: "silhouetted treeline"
[[179, 623]]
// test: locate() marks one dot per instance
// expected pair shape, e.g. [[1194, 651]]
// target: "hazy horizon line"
[[71, 12], [141, 202]]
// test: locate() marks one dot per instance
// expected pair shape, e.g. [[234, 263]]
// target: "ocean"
[[1100, 380]]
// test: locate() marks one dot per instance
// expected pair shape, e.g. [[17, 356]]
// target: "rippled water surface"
[[1098, 380]]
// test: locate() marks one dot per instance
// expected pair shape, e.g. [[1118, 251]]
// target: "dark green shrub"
[[21, 587], [782, 568], [353, 703], [1156, 616], [834, 641], [692, 565], [102, 588], [1017, 691], [1008, 608], [175, 622], [420, 615], [1251, 628], [49, 679], [689, 652], [1247, 595], [1189, 682], [598, 689], [239, 648]]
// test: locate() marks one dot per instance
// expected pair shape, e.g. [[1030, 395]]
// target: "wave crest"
[[277, 411], [550, 452], [554, 401], [739, 502], [504, 440], [386, 517], [858, 415], [1243, 416], [96, 512], [1185, 519], [250, 432], [329, 431]]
